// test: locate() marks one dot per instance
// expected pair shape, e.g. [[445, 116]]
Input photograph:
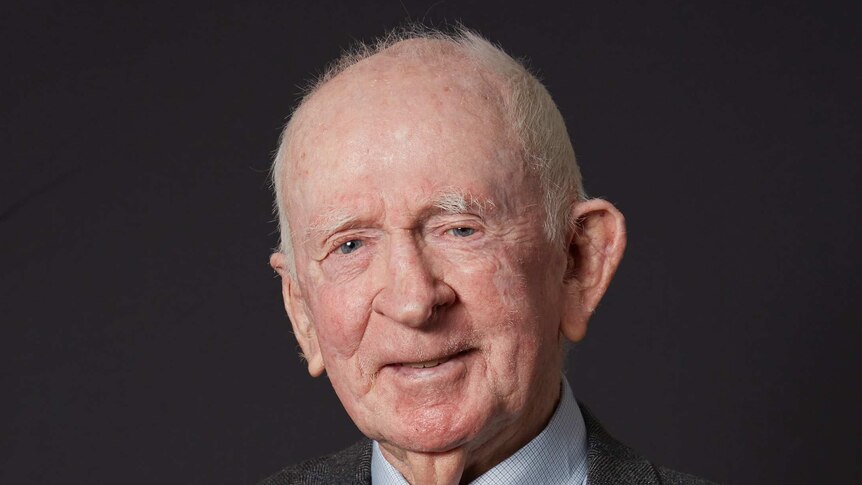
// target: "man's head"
[[437, 248]]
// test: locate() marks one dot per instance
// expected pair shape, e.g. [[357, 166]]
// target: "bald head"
[[404, 76], [416, 88]]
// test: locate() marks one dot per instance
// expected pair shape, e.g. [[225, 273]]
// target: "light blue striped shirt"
[[558, 455]]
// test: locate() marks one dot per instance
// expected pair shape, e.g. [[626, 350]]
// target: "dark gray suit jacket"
[[609, 463]]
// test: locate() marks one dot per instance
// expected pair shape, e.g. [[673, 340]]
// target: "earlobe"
[[595, 249], [297, 313]]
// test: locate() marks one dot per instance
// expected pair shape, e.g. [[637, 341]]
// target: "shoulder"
[[349, 466], [612, 462]]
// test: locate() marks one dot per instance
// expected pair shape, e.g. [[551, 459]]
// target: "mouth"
[[426, 364]]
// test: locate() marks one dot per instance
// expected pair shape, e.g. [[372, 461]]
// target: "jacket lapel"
[[612, 463]]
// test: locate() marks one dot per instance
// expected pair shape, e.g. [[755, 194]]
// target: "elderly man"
[[437, 252]]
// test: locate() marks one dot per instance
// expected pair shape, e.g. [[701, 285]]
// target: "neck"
[[465, 463]]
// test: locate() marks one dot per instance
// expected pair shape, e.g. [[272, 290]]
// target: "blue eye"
[[462, 231], [350, 246]]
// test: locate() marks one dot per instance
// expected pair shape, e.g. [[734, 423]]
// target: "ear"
[[595, 249], [297, 312]]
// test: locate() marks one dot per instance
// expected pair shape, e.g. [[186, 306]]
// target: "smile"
[[426, 364], [431, 363]]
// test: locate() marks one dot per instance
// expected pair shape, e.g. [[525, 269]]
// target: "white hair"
[[526, 103]]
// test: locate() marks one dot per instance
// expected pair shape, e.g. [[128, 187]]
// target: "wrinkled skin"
[[439, 328]]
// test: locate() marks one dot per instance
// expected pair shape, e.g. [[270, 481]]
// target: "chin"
[[435, 441], [436, 431]]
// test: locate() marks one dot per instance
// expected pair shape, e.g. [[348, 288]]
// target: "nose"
[[410, 293]]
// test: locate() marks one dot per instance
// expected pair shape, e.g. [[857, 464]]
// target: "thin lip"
[[444, 358]]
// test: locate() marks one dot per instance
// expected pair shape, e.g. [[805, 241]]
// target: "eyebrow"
[[329, 222], [452, 200], [449, 200]]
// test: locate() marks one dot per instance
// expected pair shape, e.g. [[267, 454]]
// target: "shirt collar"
[[557, 455]]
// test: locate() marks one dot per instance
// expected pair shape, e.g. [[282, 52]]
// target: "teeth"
[[424, 365]]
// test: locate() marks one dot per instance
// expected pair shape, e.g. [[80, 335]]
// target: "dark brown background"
[[143, 338]]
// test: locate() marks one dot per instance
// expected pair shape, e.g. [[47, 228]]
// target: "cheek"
[[511, 289], [496, 294], [340, 319], [513, 304], [508, 279]]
